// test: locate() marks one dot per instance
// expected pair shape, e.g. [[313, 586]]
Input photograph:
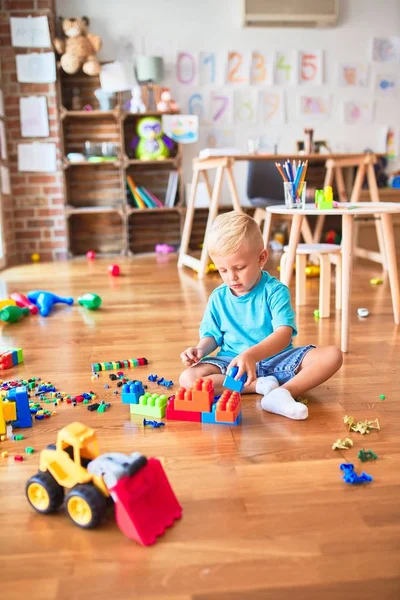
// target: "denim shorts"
[[283, 366]]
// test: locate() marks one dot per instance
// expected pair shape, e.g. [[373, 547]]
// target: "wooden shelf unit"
[[98, 209]]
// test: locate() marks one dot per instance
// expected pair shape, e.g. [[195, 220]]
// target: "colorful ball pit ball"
[[114, 270], [90, 254]]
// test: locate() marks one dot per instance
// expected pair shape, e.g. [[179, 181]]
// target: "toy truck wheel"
[[85, 505], [44, 494]]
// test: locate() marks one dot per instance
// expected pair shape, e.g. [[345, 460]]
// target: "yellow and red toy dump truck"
[[73, 472]]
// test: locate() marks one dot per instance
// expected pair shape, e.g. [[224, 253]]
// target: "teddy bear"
[[78, 49], [166, 103]]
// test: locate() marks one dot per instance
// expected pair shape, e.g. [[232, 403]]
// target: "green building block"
[[86, 401], [29, 450], [150, 405], [18, 437]]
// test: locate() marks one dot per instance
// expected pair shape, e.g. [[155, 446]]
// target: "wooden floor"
[[265, 512]]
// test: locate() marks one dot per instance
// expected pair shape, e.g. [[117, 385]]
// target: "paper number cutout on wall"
[[284, 68], [186, 69], [220, 108], [236, 68], [261, 69], [310, 67], [196, 105], [273, 107], [208, 68], [245, 106]]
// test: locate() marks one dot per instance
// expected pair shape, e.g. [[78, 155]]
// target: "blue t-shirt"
[[239, 322]]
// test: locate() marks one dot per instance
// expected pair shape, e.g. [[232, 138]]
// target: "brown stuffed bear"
[[79, 48]]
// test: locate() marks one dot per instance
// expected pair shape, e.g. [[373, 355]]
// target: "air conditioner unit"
[[290, 13]]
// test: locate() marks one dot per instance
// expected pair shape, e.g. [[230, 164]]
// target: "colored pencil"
[[279, 167]]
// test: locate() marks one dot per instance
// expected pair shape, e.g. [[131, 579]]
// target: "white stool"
[[326, 253]]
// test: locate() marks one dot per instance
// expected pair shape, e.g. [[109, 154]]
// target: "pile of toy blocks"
[[10, 358], [141, 402], [119, 364]]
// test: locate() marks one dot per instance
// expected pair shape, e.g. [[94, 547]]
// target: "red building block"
[[228, 407], [180, 415]]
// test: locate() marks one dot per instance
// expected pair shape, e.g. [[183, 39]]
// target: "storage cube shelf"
[[99, 209]]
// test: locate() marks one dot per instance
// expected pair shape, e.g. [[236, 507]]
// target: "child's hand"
[[191, 356], [246, 364]]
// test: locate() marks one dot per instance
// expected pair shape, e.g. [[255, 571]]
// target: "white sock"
[[265, 385], [280, 402]]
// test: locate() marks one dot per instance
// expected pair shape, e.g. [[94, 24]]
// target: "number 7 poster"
[[310, 67]]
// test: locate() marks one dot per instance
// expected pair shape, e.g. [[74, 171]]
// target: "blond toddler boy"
[[251, 320]]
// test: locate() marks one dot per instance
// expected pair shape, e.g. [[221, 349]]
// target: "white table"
[[348, 212]]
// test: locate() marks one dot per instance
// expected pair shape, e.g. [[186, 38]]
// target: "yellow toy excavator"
[[145, 503]]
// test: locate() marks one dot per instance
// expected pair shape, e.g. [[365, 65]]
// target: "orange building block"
[[228, 408], [199, 399]]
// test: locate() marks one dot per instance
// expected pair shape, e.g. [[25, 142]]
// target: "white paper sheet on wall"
[[3, 142], [5, 180], [37, 157], [34, 116], [386, 49], [30, 32], [36, 68], [358, 111]]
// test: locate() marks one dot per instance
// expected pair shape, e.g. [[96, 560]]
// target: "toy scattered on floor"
[[90, 254], [365, 455], [324, 198], [4, 454], [103, 406], [312, 270], [363, 312], [114, 270], [332, 237], [236, 385], [7, 302], [382, 397], [342, 444], [145, 504], [22, 301], [18, 458], [350, 476], [154, 424], [13, 314], [46, 300], [149, 405], [316, 313], [14, 407], [119, 364], [152, 377], [132, 391], [362, 427], [35, 257], [165, 382], [10, 358], [29, 450], [164, 249], [376, 281], [90, 301], [200, 405]]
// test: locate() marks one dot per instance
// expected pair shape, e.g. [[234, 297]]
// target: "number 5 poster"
[[310, 69]]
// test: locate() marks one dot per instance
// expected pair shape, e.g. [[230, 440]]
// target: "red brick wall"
[[35, 218]]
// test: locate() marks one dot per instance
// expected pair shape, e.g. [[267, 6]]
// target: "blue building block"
[[210, 417], [19, 395], [132, 391], [236, 385]]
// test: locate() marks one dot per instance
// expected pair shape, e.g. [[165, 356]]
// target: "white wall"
[[164, 27]]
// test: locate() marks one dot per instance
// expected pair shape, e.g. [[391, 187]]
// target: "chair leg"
[[259, 216], [267, 228], [282, 265], [338, 296], [324, 286], [301, 261]]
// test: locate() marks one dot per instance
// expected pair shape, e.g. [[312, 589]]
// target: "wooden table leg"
[[291, 252], [187, 228], [267, 228], [390, 251], [212, 213], [232, 186], [347, 259]]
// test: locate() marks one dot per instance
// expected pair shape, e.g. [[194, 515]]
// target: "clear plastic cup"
[[295, 198]]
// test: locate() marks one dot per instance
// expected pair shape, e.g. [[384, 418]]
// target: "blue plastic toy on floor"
[[46, 300]]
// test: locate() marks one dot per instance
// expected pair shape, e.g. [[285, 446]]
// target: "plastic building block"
[[376, 281], [29, 450], [19, 395], [93, 407], [150, 405], [18, 438], [365, 455], [131, 392], [351, 477], [228, 407], [342, 444], [18, 458], [90, 301], [324, 198], [153, 424], [181, 415], [199, 399], [236, 385], [382, 396], [103, 406], [22, 301], [4, 454], [46, 300], [113, 365], [210, 418], [10, 358]]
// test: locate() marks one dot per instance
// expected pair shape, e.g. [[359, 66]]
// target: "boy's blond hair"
[[230, 230]]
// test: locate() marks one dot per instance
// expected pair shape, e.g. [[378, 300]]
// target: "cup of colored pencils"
[[294, 183]]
